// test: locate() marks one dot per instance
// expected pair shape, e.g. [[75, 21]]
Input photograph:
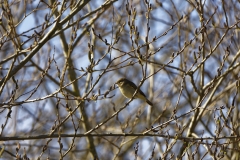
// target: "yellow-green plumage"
[[128, 88]]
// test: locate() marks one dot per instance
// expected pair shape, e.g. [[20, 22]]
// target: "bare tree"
[[60, 61]]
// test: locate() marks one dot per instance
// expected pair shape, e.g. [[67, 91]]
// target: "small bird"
[[128, 88]]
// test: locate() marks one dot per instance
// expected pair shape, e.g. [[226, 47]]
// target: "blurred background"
[[59, 61]]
